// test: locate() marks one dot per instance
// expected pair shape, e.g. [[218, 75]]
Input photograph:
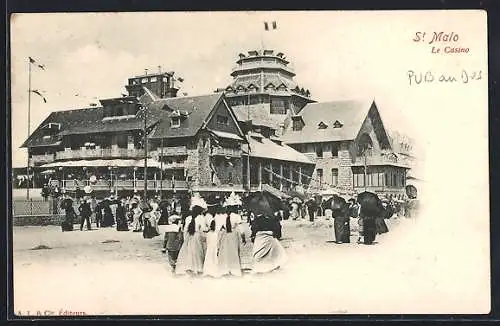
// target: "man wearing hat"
[[85, 213]]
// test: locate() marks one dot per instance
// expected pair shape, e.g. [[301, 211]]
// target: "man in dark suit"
[[85, 213]]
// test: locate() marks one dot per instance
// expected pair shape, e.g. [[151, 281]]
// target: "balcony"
[[41, 159], [99, 153], [231, 152], [386, 159], [172, 151], [108, 185], [262, 64]]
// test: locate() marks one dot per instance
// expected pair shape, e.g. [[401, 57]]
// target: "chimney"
[[146, 72], [159, 69]]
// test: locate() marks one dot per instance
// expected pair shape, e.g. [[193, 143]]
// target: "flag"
[[35, 63], [273, 25], [39, 94]]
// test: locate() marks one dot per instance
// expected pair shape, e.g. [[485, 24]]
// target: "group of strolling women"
[[210, 240]]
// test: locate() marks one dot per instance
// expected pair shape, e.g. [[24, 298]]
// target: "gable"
[[374, 128], [221, 119]]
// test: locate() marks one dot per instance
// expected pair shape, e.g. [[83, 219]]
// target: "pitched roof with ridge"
[[350, 114], [196, 109]]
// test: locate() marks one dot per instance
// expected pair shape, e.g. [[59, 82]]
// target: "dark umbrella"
[[411, 191], [260, 204], [164, 204]]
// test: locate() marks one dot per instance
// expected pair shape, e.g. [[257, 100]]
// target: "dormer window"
[[153, 79], [176, 122], [144, 80], [322, 125], [337, 124]]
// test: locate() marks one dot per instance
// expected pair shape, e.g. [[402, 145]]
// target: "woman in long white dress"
[[211, 263], [229, 251], [268, 254], [192, 254]]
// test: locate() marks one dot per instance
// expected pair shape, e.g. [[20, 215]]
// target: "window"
[[388, 179], [297, 125], [319, 173], [277, 106], [221, 119], [319, 150], [322, 125], [335, 177], [144, 80], [335, 150], [176, 122], [153, 79], [337, 124]]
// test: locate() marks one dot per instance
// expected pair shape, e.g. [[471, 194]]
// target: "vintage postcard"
[[271, 162]]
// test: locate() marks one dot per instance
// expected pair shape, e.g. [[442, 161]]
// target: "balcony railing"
[[109, 185], [99, 153], [381, 160], [222, 151], [262, 64], [43, 158], [172, 151]]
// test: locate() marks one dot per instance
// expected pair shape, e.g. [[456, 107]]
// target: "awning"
[[103, 163], [226, 135], [269, 149]]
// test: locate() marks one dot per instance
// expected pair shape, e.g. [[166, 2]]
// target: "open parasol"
[[259, 203]]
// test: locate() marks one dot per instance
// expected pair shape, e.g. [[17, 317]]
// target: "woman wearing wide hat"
[[229, 251], [192, 254]]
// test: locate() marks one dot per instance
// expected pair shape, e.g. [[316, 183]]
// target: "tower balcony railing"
[[262, 64], [99, 153]]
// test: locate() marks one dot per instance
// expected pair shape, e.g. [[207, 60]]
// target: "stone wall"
[[345, 171]]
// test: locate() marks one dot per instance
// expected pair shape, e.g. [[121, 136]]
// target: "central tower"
[[265, 78]]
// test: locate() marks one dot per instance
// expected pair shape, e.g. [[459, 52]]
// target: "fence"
[[34, 207]]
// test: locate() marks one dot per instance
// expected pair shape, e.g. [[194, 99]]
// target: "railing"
[[99, 153], [172, 151], [109, 185], [381, 160], [262, 64], [43, 158], [222, 151]]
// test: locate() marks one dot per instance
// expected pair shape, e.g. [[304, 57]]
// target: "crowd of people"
[[204, 240]]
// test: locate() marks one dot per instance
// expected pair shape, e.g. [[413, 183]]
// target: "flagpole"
[[29, 131]]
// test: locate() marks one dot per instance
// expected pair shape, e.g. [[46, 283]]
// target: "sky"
[[90, 56], [336, 55]]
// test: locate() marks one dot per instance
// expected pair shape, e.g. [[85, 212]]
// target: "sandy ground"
[[108, 272]]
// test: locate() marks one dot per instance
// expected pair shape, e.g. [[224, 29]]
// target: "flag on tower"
[[273, 24]]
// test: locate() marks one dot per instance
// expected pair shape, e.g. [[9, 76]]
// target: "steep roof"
[[197, 109], [259, 114], [90, 120], [350, 113], [266, 148]]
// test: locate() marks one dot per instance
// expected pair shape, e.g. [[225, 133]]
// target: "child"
[[173, 240], [210, 266]]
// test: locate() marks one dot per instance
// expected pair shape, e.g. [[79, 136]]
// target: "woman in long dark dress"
[[67, 205], [108, 219], [268, 254], [121, 219]]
